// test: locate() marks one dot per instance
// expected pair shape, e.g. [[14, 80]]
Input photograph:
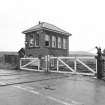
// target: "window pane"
[[59, 42], [53, 41], [47, 40], [46, 37], [31, 40], [46, 43], [65, 43], [37, 40]]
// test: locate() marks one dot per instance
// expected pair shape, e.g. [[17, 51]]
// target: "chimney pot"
[[39, 22]]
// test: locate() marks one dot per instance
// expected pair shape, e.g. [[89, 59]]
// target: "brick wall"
[[43, 50]]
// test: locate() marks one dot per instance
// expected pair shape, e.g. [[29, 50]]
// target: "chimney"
[[39, 22]]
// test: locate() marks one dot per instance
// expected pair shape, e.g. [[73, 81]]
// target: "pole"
[[99, 63], [75, 64]]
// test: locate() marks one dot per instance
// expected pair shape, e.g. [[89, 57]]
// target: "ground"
[[38, 88]]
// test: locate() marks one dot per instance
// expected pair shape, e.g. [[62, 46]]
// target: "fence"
[[103, 66], [73, 65]]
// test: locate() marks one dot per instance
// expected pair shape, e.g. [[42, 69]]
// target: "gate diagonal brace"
[[86, 66], [28, 63], [66, 65]]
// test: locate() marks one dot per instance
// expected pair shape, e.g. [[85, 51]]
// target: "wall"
[[11, 59], [35, 52], [58, 51], [42, 50]]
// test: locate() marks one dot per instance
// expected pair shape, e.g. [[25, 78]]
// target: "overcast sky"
[[84, 19]]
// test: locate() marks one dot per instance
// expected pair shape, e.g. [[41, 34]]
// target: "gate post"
[[99, 63], [47, 58]]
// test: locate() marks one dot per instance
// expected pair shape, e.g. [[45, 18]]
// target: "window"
[[47, 40], [59, 42], [53, 41], [37, 40], [31, 40], [64, 43]]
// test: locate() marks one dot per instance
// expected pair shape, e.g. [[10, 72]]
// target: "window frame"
[[31, 40], [53, 41], [59, 42], [64, 43], [37, 40], [47, 40]]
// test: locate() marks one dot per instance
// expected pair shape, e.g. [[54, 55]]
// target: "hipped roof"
[[46, 26]]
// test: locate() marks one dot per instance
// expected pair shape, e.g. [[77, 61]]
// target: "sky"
[[84, 19]]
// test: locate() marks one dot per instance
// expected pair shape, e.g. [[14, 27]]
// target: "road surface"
[[35, 88]]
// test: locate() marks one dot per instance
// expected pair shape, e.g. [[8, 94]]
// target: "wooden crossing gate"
[[73, 65], [32, 64]]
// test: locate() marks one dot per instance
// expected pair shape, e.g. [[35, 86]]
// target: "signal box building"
[[46, 39]]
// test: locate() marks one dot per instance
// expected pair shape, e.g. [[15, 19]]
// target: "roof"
[[46, 26]]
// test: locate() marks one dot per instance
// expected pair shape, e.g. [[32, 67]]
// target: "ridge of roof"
[[47, 26]]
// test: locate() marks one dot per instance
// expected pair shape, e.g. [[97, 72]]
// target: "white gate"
[[74, 65], [32, 64]]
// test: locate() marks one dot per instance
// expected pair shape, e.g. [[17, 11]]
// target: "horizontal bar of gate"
[[27, 69], [66, 72], [75, 57]]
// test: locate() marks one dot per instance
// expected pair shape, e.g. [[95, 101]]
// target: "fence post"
[[57, 64], [75, 64], [38, 64], [20, 63], [47, 62], [96, 66]]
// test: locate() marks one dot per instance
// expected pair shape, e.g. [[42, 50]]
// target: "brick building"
[[46, 39]]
